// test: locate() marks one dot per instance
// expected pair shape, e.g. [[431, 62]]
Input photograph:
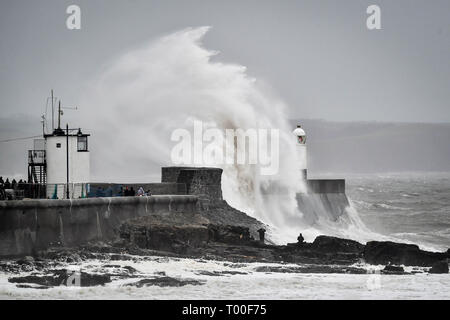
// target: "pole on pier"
[[67, 160]]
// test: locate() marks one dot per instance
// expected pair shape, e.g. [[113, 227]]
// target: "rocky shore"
[[208, 235]]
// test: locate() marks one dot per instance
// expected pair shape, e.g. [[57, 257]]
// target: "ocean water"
[[249, 285], [411, 207]]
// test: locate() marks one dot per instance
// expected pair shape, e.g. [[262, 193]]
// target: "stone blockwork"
[[206, 183]]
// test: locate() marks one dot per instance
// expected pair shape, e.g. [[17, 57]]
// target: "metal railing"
[[59, 191], [45, 191]]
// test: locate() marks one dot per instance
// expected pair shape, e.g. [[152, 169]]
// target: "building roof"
[[299, 132], [62, 133]]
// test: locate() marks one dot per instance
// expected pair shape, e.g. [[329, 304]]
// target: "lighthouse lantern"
[[300, 147]]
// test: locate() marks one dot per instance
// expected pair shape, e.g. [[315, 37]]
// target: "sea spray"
[[140, 98]]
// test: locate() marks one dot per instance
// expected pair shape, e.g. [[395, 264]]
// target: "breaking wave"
[[141, 97]]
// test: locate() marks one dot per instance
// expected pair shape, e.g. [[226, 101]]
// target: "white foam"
[[252, 285]]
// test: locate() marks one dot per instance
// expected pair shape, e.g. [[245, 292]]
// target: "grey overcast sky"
[[318, 55]]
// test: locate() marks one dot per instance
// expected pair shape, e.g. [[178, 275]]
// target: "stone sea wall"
[[30, 225]]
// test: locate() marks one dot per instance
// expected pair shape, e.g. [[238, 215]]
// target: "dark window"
[[82, 143], [58, 145]]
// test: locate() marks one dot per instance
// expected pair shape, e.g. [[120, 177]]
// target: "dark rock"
[[333, 244], [48, 281], [90, 280], [130, 269], [26, 260], [61, 277], [74, 257], [220, 273], [324, 250], [390, 269], [235, 265], [165, 282], [17, 267], [208, 273], [112, 266], [388, 252], [232, 272], [25, 286], [312, 269], [394, 268], [155, 232], [229, 234], [221, 213], [278, 269], [121, 257], [439, 267], [122, 272], [69, 255]]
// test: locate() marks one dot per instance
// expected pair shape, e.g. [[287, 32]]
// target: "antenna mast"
[[59, 115], [53, 115], [43, 124]]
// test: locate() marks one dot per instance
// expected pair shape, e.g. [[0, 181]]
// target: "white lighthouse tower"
[[300, 147], [67, 162]]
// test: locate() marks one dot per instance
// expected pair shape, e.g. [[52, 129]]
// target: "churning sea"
[[413, 207], [409, 206]]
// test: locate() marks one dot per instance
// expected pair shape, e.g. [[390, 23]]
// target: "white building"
[[67, 164], [300, 146]]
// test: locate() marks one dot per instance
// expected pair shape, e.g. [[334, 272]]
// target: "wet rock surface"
[[63, 277], [387, 252], [333, 244], [389, 269], [165, 282], [201, 239], [220, 273], [439, 267], [236, 244], [311, 269]]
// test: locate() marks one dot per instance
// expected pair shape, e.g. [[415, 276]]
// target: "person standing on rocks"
[[300, 239], [2, 191], [261, 232]]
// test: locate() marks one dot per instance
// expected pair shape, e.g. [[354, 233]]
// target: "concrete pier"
[[29, 225]]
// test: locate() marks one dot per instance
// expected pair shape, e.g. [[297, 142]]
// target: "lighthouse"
[[300, 146]]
